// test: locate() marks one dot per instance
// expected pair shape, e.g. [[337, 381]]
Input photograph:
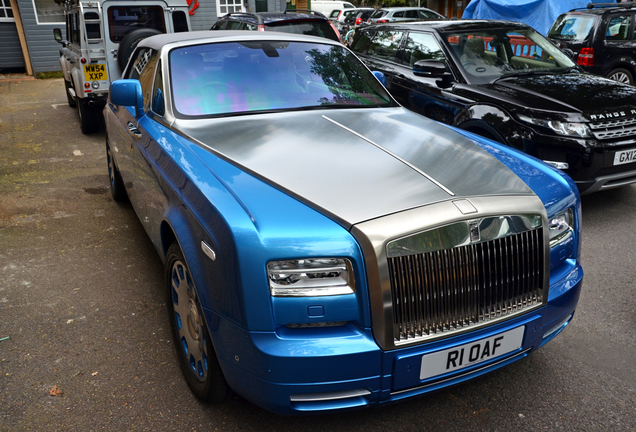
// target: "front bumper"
[[591, 163], [319, 370]]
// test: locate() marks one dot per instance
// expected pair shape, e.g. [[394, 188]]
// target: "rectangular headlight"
[[561, 227], [310, 277]]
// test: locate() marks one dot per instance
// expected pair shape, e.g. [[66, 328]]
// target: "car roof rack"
[[626, 5]]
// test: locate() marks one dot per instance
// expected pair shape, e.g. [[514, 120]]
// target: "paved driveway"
[[82, 312]]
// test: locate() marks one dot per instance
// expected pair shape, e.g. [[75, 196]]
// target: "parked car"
[[341, 15], [395, 14], [99, 38], [359, 16], [600, 38], [345, 19], [325, 248], [505, 81], [300, 22], [327, 6]]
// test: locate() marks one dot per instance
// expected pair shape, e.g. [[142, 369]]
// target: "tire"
[[621, 75], [117, 189], [70, 99], [197, 358], [129, 42], [89, 116]]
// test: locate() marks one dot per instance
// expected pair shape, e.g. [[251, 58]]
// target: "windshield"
[[572, 27], [234, 78], [488, 55]]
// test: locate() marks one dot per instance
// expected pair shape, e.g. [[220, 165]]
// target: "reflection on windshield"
[[489, 55], [230, 78]]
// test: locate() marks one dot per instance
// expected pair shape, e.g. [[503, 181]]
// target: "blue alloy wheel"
[[197, 358]]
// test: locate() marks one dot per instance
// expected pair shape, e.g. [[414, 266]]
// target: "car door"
[[619, 47], [146, 149], [423, 94], [379, 50]]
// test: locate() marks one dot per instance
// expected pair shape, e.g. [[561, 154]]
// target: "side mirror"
[[127, 92], [433, 69], [380, 76], [57, 34]]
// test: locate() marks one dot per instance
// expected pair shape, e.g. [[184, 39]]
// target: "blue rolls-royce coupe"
[[325, 248]]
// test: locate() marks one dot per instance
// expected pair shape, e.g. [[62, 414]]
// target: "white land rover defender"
[[100, 37]]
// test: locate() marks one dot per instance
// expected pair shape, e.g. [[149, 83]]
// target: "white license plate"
[[462, 356], [625, 156]]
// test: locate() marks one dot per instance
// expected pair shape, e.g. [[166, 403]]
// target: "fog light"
[[95, 84]]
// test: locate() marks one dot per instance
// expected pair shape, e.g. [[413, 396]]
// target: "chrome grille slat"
[[612, 129], [453, 289]]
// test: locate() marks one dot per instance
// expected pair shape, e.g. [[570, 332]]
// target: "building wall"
[[43, 50], [10, 51]]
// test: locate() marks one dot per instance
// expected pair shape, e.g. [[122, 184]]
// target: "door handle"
[[133, 130]]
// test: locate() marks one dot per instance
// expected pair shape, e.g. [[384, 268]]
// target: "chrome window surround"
[[387, 235]]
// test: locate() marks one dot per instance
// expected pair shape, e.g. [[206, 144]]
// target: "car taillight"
[[358, 21], [382, 21], [336, 31], [261, 27], [586, 57]]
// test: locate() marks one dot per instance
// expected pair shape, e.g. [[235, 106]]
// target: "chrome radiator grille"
[[448, 290], [614, 129]]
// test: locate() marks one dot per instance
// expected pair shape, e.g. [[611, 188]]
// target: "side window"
[[411, 14], [251, 27], [618, 28], [385, 44], [421, 46], [399, 14], [143, 67], [361, 43], [233, 25], [179, 21], [158, 103], [427, 15], [74, 28]]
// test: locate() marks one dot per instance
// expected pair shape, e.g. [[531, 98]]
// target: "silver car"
[[395, 14]]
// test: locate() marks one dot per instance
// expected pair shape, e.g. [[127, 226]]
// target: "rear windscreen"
[[572, 27], [123, 19]]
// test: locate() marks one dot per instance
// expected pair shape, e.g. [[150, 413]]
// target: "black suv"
[[600, 39], [299, 22], [507, 82]]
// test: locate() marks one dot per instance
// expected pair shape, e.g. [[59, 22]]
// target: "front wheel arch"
[[485, 130], [191, 336]]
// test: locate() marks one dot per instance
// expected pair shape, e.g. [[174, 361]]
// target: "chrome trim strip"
[[413, 167], [454, 377], [321, 397], [558, 326], [208, 251]]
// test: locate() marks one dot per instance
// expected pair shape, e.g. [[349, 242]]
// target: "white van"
[[325, 7]]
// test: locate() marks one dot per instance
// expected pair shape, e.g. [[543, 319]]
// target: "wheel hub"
[[194, 321]]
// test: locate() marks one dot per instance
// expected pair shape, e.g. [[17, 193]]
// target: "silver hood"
[[356, 165]]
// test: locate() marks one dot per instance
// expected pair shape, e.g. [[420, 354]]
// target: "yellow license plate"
[[95, 72]]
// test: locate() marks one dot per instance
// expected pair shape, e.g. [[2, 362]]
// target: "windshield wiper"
[[533, 72]]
